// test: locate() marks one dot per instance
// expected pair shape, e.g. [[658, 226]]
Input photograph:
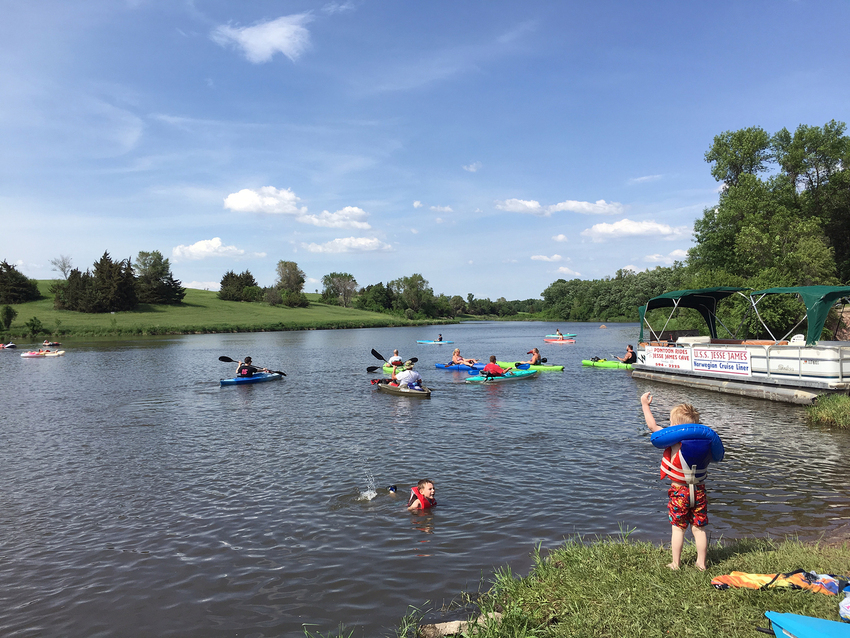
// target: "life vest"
[[246, 370], [689, 465], [425, 503]]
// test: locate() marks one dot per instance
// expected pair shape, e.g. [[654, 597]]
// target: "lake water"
[[141, 499]]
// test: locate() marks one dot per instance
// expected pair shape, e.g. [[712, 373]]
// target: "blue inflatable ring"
[[673, 434]]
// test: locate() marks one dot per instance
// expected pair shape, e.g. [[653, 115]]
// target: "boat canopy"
[[818, 301], [704, 300]]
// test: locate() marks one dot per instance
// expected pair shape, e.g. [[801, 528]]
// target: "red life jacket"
[[689, 466], [425, 503]]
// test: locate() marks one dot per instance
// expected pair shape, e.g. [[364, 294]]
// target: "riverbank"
[[620, 587], [201, 312]]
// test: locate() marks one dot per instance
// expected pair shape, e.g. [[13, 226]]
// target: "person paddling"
[[245, 369]]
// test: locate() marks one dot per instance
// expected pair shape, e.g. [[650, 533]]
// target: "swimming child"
[[687, 503], [422, 495]]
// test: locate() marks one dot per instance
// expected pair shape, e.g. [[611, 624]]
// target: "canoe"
[[38, 355], [604, 363], [512, 375], [459, 366], [559, 340], [543, 367], [402, 391], [435, 342], [565, 335], [797, 626], [258, 377]]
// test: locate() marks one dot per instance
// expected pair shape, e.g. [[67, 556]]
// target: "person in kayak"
[[558, 333], [631, 355], [457, 359], [395, 360], [422, 496], [439, 337], [493, 369], [245, 369], [535, 357], [408, 377], [687, 504]]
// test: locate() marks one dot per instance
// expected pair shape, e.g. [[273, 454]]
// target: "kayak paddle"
[[229, 360]]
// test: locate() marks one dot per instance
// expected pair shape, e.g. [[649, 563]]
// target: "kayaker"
[[439, 337], [558, 333], [687, 504], [459, 360], [631, 355], [422, 495], [245, 369], [535, 357], [407, 377], [395, 360], [492, 369]]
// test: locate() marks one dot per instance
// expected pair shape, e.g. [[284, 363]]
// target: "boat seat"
[[689, 341], [798, 338]]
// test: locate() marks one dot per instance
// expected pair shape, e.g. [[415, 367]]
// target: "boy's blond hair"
[[684, 413]]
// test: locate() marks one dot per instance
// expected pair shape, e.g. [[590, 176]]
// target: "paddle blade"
[[474, 372], [226, 359], [373, 368], [413, 360], [544, 360], [377, 355], [522, 366]]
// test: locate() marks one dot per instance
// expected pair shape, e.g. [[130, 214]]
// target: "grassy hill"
[[201, 311]]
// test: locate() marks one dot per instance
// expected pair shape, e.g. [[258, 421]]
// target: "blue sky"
[[492, 147]]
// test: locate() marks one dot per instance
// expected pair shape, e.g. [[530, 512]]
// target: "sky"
[[491, 146]]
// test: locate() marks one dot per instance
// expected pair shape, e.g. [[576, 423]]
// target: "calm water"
[[142, 499]]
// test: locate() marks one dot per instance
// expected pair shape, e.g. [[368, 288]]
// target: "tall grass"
[[831, 410]]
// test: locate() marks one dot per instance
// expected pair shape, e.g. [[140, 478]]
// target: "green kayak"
[[604, 363], [542, 367]]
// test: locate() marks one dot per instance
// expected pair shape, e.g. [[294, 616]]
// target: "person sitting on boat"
[[422, 496], [459, 360], [245, 369], [408, 377], [395, 360], [535, 357], [631, 355], [439, 337], [493, 369]]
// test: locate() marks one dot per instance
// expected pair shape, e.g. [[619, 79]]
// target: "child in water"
[[422, 495], [687, 504]]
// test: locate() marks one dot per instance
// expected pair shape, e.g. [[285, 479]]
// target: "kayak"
[[798, 626], [604, 363], [258, 377], [37, 355], [543, 367], [402, 391], [559, 340], [8, 345], [435, 342], [512, 375], [51, 344], [565, 335], [459, 366]]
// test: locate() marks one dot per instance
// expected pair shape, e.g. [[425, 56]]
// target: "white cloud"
[[533, 207], [215, 286], [676, 255], [545, 258], [439, 220], [207, 248], [645, 178], [267, 199], [415, 231], [473, 168], [634, 269], [260, 42], [338, 7], [442, 209], [568, 271], [348, 217], [629, 228], [560, 237], [417, 204], [349, 245]]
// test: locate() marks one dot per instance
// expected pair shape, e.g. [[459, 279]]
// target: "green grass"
[[201, 312], [832, 410]]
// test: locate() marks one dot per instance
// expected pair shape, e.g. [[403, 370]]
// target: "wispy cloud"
[[669, 258], [560, 237], [261, 41], [332, 8], [568, 271], [207, 248], [629, 228], [645, 178], [348, 217], [473, 168], [533, 207], [545, 258], [442, 209], [417, 204], [349, 245]]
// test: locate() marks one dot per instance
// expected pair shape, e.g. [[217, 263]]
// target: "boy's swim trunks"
[[679, 506]]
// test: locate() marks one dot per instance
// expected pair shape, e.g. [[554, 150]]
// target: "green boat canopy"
[[704, 300], [818, 301]]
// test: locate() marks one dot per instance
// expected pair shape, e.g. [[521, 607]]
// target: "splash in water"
[[370, 491]]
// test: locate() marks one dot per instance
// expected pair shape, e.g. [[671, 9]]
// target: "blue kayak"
[[797, 626], [427, 341], [258, 377], [459, 366], [511, 375]]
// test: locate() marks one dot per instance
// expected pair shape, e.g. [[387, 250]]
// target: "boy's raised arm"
[[645, 400]]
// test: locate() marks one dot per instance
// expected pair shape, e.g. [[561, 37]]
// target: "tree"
[[15, 287], [414, 292], [376, 297], [289, 277], [458, 304], [339, 288], [737, 152], [62, 264], [34, 327], [233, 285], [110, 288], [155, 283], [7, 316]]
